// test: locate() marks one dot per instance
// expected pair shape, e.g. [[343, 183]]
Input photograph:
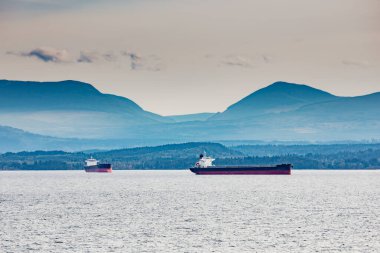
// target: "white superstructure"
[[204, 161], [91, 162]]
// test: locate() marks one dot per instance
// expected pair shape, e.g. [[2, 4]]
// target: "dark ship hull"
[[283, 169], [107, 168]]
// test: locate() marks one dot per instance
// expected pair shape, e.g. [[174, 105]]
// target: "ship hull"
[[283, 169], [102, 168]]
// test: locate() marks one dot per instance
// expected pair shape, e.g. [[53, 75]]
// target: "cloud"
[[93, 56], [110, 56], [246, 61], [88, 57], [134, 60], [237, 61], [356, 63], [267, 58], [137, 62], [45, 54]]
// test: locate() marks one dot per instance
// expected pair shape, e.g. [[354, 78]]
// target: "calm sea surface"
[[176, 211]]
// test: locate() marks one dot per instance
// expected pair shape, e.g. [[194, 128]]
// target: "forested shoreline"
[[182, 156]]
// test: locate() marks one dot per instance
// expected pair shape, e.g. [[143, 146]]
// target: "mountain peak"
[[275, 98], [51, 88], [281, 86], [68, 95], [282, 83]]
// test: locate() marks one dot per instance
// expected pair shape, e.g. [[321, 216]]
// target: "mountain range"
[[72, 113], [280, 97], [69, 109]]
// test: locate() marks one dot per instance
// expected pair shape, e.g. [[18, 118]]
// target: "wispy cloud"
[[134, 60], [88, 57], [267, 58], [45, 54], [356, 63], [137, 62], [241, 61], [94, 56], [110, 56], [237, 61]]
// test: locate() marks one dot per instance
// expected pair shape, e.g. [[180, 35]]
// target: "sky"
[[188, 56]]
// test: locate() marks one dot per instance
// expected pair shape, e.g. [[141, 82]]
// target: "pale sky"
[[189, 56]]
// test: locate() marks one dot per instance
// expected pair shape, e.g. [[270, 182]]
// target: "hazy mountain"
[[276, 98], [281, 111], [69, 109], [284, 111], [65, 95], [191, 117], [16, 140], [345, 108]]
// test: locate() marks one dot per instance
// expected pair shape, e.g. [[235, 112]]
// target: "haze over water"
[[176, 211]]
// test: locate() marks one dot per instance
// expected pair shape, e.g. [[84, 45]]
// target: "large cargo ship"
[[93, 165], [204, 166]]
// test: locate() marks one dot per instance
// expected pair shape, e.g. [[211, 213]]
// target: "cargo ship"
[[204, 166], [93, 165]]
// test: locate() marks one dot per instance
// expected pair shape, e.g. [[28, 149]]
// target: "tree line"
[[183, 156]]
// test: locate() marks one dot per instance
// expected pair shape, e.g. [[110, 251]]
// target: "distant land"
[[72, 115], [191, 117], [15, 140], [182, 156]]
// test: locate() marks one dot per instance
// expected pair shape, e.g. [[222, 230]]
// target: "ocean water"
[[176, 211]]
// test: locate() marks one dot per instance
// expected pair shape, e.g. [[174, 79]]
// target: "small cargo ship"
[[93, 165], [204, 166]]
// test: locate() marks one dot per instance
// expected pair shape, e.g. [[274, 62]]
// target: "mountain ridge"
[[281, 111], [276, 98], [68, 106], [67, 94]]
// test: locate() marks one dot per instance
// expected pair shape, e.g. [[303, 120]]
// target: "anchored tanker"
[[93, 165], [204, 166]]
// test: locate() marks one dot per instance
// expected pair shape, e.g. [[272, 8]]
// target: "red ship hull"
[[102, 168], [99, 170], [256, 172], [282, 169]]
